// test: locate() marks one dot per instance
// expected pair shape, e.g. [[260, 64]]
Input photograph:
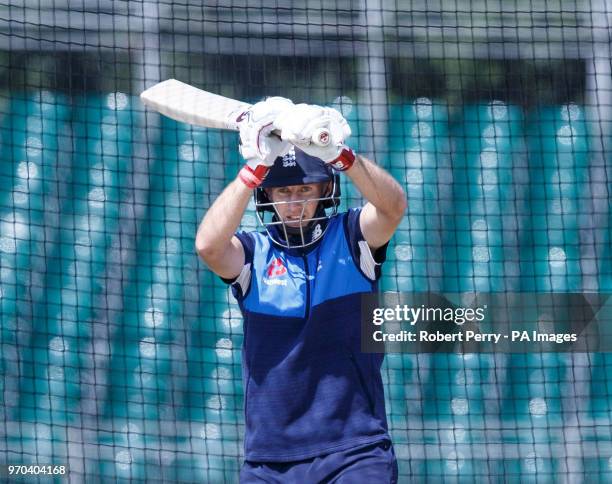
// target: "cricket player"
[[314, 404]]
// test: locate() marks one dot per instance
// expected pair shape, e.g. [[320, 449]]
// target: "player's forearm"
[[378, 187], [222, 219]]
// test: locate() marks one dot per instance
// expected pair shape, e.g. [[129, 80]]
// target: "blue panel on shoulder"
[[278, 283], [336, 272]]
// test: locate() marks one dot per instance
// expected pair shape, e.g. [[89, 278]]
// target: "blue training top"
[[309, 390]]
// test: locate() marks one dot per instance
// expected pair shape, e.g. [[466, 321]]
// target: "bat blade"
[[191, 105]]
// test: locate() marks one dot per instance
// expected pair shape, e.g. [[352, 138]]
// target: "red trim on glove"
[[253, 178], [344, 161]]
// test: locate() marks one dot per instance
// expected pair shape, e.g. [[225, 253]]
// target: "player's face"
[[297, 198]]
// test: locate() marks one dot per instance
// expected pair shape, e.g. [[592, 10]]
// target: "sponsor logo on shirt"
[[274, 282], [276, 269]]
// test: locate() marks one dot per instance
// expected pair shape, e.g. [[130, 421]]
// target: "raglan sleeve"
[[369, 262], [240, 284]]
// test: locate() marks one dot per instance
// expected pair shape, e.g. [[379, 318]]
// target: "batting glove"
[[258, 146], [299, 123]]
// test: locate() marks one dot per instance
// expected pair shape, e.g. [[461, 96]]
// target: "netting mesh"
[[120, 351]]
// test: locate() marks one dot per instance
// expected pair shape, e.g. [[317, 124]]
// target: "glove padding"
[[257, 147], [298, 124]]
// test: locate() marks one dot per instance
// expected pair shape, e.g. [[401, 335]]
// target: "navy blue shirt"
[[309, 390]]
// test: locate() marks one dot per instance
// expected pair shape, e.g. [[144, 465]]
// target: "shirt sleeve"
[[240, 284], [369, 263]]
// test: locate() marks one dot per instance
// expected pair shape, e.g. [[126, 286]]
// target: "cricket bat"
[[191, 105]]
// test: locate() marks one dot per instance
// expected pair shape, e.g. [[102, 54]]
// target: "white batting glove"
[[257, 145], [299, 123]]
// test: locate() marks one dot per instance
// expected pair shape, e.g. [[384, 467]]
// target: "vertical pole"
[[598, 101], [372, 79]]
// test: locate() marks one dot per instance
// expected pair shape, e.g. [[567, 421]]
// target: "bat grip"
[[320, 137]]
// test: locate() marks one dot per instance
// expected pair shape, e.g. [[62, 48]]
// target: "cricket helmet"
[[297, 168]]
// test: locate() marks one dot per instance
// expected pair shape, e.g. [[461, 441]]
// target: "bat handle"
[[320, 137]]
